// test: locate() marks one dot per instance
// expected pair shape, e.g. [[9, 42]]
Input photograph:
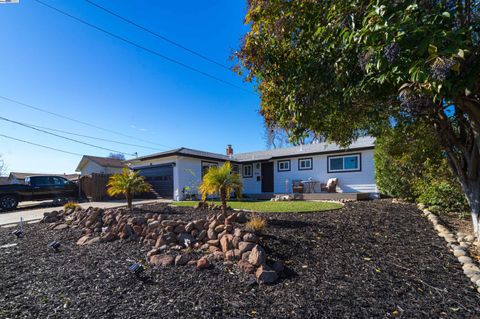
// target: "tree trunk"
[[223, 198], [462, 145], [473, 196], [129, 200]]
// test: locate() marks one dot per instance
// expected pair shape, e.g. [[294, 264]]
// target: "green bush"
[[403, 154], [410, 164], [439, 189]]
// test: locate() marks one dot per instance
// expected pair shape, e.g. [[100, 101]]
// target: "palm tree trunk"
[[223, 198], [129, 200]]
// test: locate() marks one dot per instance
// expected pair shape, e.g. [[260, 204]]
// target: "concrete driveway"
[[35, 214]]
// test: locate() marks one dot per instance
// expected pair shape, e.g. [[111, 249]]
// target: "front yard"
[[277, 207], [369, 259]]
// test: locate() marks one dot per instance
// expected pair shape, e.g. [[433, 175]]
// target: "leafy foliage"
[[349, 67], [71, 205], [401, 157], [410, 164], [446, 195], [127, 183], [221, 181], [3, 167]]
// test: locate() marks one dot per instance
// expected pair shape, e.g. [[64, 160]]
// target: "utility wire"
[[162, 37], [79, 121], [156, 53], [64, 137], [91, 137], [40, 145]]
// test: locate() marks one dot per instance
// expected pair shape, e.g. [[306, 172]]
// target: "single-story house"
[[19, 178], [264, 173], [101, 165], [4, 180]]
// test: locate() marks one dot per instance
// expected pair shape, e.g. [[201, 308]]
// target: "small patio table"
[[310, 186]]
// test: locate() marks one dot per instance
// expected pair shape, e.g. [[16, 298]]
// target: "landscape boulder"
[[182, 260], [245, 266], [257, 256], [203, 263], [265, 275], [159, 260]]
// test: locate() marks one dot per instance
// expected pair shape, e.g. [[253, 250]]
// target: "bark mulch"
[[369, 259]]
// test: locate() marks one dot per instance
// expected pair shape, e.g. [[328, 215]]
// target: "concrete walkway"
[[34, 215]]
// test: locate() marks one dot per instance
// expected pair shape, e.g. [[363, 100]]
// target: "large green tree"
[[348, 67]]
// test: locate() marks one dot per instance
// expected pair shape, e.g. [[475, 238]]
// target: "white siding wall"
[[362, 181], [190, 173], [250, 184], [92, 167], [186, 173]]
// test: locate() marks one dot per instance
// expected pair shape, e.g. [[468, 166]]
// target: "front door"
[[267, 177]]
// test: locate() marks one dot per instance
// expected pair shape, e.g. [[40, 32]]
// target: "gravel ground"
[[369, 259]]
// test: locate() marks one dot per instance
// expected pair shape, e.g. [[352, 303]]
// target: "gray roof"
[[296, 151], [307, 149], [186, 152]]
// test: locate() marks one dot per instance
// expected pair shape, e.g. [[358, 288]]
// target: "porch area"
[[315, 196]]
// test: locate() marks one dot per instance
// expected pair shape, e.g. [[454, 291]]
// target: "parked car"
[[36, 188]]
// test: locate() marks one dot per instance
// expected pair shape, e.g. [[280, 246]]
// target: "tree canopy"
[[349, 67]]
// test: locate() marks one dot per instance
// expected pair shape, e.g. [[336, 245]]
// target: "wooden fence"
[[94, 186]]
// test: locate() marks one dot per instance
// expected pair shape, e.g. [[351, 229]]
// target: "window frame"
[[304, 159], [210, 164], [284, 170], [343, 156], [236, 169], [243, 170]]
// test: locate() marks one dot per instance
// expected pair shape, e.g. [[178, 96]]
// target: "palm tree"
[[127, 183], [222, 181]]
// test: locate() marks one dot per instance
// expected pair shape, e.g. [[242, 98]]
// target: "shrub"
[[410, 164], [256, 224], [445, 196], [402, 155], [71, 205]]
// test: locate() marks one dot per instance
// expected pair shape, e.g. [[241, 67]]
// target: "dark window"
[[206, 166], [235, 169], [57, 181], [305, 164], [247, 170], [42, 181], [283, 166], [344, 163]]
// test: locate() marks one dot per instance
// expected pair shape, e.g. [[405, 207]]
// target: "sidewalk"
[[34, 215]]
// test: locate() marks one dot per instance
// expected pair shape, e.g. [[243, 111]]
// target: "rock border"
[[458, 243]]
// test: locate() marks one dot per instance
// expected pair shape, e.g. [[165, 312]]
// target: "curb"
[[458, 244], [30, 221]]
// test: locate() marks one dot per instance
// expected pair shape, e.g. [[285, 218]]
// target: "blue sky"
[[53, 62]]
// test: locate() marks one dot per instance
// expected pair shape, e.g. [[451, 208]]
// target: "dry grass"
[[256, 224]]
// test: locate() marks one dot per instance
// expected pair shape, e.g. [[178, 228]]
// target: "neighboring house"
[[19, 178], [264, 172], [4, 180], [102, 165]]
